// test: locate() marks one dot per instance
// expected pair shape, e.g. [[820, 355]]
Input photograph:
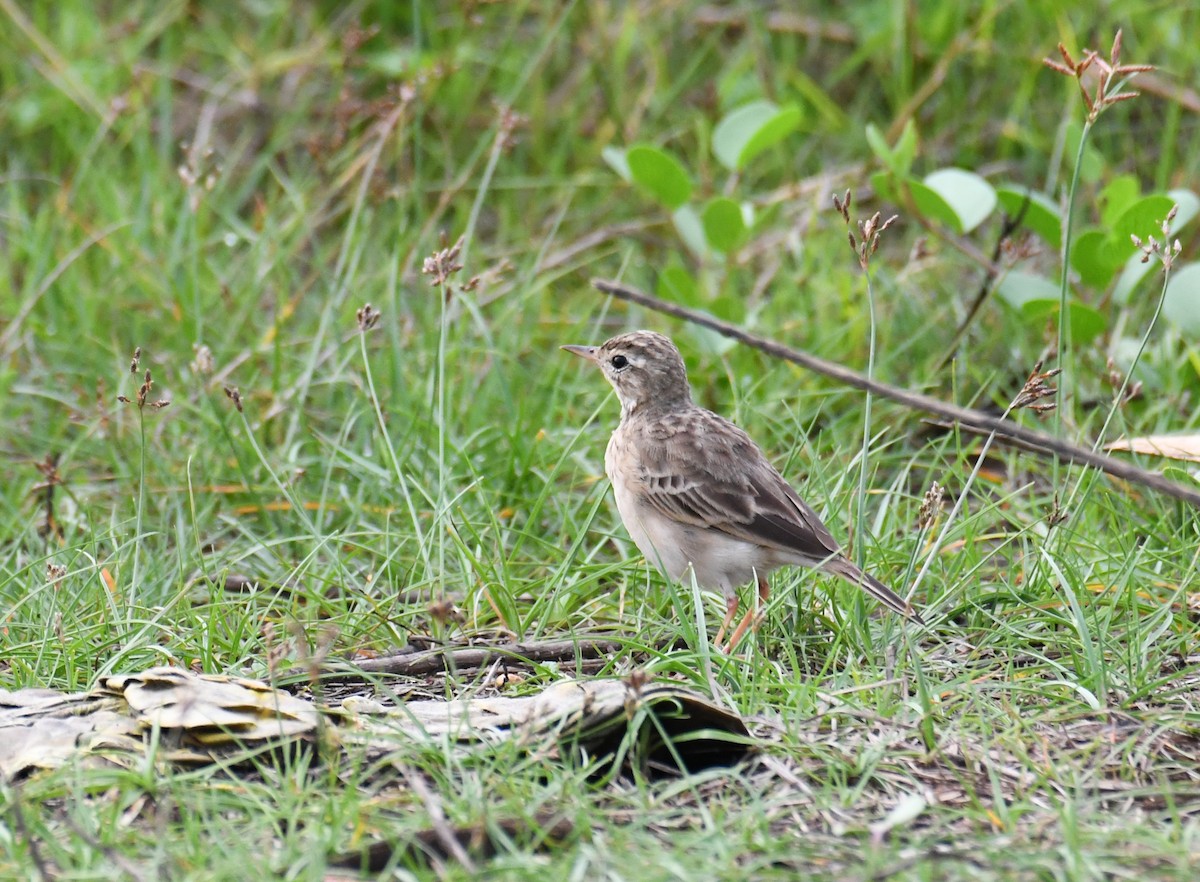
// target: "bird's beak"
[[588, 352]]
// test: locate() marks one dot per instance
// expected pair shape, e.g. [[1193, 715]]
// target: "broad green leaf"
[[749, 216], [883, 184], [1143, 219], [1182, 304], [660, 174], [614, 157], [1086, 323], [1018, 288], [1189, 207], [971, 197], [931, 205], [1120, 193], [731, 309], [1090, 258], [724, 227], [690, 229], [785, 121], [676, 284], [1041, 214], [748, 131]]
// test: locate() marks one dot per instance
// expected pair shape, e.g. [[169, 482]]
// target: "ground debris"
[[202, 718]]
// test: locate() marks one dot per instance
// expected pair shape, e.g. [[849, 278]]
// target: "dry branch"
[[1037, 442], [459, 658]]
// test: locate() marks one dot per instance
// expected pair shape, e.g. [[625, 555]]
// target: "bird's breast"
[[672, 546]]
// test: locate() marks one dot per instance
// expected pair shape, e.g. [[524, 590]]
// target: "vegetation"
[[223, 188]]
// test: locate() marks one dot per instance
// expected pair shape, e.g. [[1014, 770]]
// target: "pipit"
[[694, 491]]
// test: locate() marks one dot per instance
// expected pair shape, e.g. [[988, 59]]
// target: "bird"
[[695, 492]]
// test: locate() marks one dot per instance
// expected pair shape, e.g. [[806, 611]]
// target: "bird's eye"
[[620, 361]]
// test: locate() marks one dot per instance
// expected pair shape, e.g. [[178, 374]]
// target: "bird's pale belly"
[[720, 561]]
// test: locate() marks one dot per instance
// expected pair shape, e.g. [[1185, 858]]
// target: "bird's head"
[[644, 367]]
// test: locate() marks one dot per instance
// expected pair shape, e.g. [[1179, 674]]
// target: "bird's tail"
[[847, 570]]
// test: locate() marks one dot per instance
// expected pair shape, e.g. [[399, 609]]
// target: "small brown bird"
[[694, 491]]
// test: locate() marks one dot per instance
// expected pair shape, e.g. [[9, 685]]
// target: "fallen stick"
[[1038, 442], [434, 661]]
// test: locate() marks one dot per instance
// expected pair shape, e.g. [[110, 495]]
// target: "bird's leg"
[[753, 616], [731, 608]]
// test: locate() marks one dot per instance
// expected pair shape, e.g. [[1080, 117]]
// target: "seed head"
[[931, 505], [441, 265]]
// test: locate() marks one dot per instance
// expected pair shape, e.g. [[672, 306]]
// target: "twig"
[[1043, 444], [434, 661]]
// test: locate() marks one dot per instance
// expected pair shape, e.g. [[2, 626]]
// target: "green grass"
[[1048, 718]]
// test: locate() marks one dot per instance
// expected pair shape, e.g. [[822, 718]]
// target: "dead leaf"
[[664, 728], [1185, 447]]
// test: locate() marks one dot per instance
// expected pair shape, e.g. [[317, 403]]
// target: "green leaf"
[[884, 186], [906, 149], [931, 205], [660, 174], [898, 159], [748, 131], [1090, 256], [970, 196], [1143, 219], [614, 157], [1018, 288], [1182, 304], [690, 229], [1037, 297], [677, 285], [731, 309], [724, 227], [879, 146], [1120, 193], [749, 216], [1086, 323], [1041, 214]]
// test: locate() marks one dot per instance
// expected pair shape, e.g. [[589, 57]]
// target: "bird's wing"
[[702, 470]]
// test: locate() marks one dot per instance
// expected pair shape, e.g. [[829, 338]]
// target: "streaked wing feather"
[[726, 484], [790, 522]]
